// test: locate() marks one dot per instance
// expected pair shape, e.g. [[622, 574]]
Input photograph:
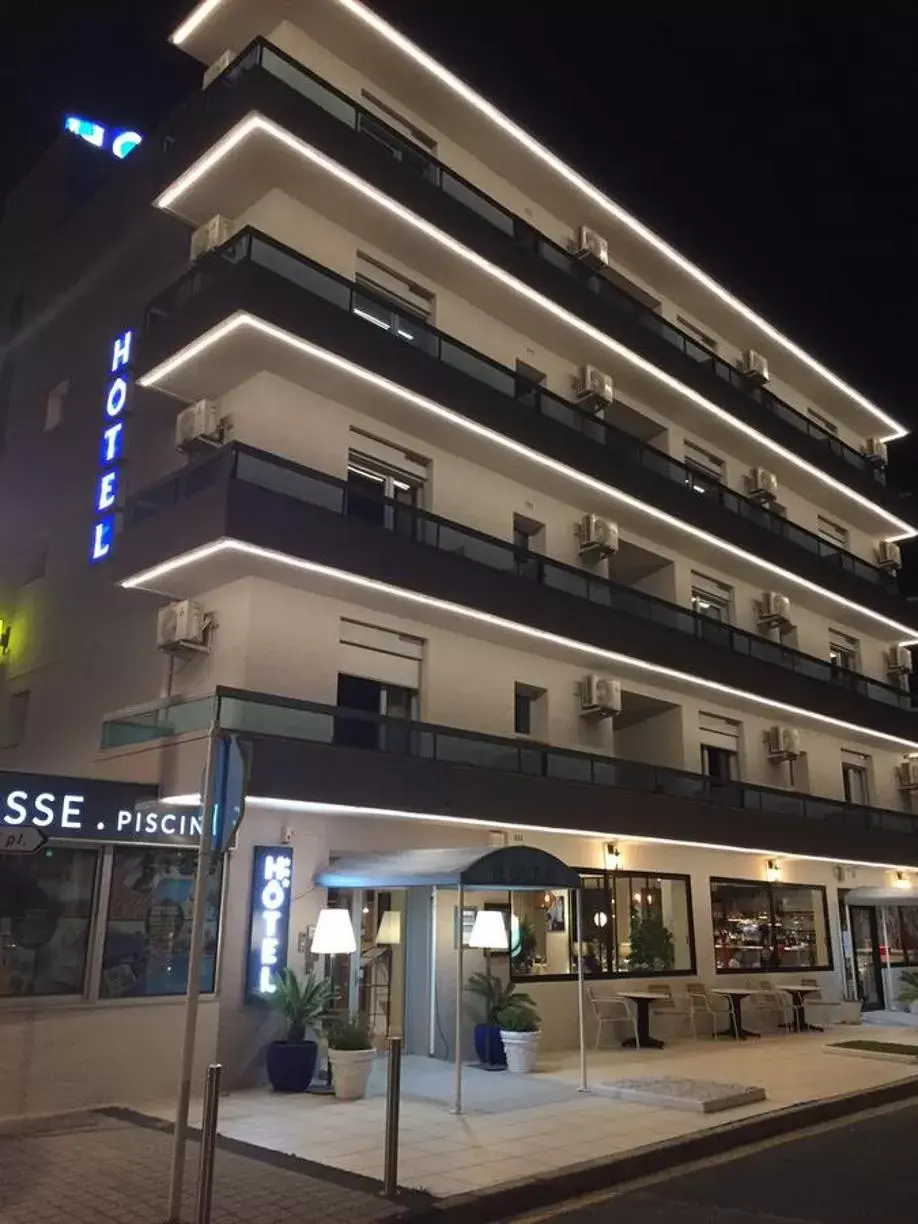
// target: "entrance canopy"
[[875, 898], [476, 868]]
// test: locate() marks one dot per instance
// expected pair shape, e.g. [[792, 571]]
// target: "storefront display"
[[764, 926]]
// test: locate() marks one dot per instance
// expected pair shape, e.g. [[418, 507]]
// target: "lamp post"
[[489, 932], [333, 936]]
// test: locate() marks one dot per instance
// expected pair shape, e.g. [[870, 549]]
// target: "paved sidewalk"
[[94, 1169]]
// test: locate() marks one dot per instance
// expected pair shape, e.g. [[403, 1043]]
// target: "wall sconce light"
[[772, 871], [600, 919], [902, 880], [5, 630], [613, 856]]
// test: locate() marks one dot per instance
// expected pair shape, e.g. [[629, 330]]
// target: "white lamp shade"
[[334, 933], [390, 928], [489, 931]]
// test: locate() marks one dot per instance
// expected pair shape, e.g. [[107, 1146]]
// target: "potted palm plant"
[[520, 1035], [497, 997], [291, 1062], [908, 989], [351, 1054]]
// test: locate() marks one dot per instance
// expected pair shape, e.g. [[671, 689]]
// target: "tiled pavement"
[[95, 1169]]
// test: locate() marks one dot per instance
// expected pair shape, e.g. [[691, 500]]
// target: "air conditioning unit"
[[181, 626], [782, 743], [898, 661], [907, 774], [773, 610], [199, 426], [210, 235], [592, 248], [598, 537], [889, 556], [217, 68], [754, 366], [762, 485], [875, 450], [600, 697], [594, 389]]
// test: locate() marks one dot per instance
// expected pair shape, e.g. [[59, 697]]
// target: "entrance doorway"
[[868, 957]]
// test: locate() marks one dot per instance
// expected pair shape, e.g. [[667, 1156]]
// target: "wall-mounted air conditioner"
[[209, 236], [217, 68], [754, 366], [181, 626], [600, 697], [774, 610], [592, 248], [598, 537], [889, 556], [875, 450], [762, 485], [898, 661], [782, 743], [199, 426], [907, 774], [593, 389]]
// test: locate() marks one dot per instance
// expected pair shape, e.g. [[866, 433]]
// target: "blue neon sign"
[[118, 141], [111, 450]]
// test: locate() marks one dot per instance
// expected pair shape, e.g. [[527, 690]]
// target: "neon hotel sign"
[[111, 448]]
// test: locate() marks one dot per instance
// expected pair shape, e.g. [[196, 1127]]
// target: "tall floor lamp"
[[333, 936], [489, 932], [388, 935]]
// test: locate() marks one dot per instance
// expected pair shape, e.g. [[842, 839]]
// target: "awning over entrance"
[[517, 867], [878, 897]]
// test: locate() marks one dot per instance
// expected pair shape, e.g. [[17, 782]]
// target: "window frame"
[[768, 887], [609, 878]]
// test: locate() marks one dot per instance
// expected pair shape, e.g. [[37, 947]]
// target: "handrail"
[[263, 54], [283, 476], [251, 245], [262, 714]]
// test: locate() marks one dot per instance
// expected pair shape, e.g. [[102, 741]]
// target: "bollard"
[[205, 1191], [393, 1098]]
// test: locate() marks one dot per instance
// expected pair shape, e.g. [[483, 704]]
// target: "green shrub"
[[349, 1035]]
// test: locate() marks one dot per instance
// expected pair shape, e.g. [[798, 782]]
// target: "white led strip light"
[[285, 560], [258, 123], [459, 87], [243, 320]]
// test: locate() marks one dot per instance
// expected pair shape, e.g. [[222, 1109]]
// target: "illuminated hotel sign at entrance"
[[111, 450], [118, 142], [272, 880]]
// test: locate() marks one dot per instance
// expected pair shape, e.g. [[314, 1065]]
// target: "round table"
[[734, 996], [798, 1000], [642, 1000]]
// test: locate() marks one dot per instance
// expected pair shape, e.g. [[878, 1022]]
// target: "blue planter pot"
[[488, 1046], [291, 1066]]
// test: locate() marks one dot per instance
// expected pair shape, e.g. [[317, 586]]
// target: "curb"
[[515, 1198]]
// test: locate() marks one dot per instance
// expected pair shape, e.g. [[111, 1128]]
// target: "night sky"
[[772, 144]]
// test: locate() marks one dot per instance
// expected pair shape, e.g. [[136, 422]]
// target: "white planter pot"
[[522, 1050], [350, 1072], [850, 1011], [913, 1007]]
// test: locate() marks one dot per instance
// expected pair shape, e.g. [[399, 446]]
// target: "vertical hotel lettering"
[[111, 451]]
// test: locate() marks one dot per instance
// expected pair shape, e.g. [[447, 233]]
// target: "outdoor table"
[[642, 999], [798, 999], [734, 996]]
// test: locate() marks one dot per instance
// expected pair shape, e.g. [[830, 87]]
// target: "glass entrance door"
[[867, 957]]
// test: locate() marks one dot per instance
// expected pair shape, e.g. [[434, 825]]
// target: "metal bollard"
[[205, 1190], [393, 1099]]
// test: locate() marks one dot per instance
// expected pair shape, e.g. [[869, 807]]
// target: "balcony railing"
[[260, 714], [264, 55], [251, 466], [250, 245]]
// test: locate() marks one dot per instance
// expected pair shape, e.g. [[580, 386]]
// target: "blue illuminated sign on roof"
[[118, 141]]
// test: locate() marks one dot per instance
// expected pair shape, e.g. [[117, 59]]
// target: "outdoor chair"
[[610, 1009], [774, 1003], [826, 1007], [702, 1004], [669, 1005]]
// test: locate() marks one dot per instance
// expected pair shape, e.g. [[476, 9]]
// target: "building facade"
[[346, 418]]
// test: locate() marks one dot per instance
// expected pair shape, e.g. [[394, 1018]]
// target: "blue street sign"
[[231, 778]]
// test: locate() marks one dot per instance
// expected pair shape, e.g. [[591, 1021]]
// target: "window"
[[763, 927], [405, 125], [635, 925], [406, 296], [45, 909], [54, 407], [843, 650], [17, 715], [856, 777], [902, 934], [527, 711], [711, 598], [705, 467], [720, 744], [148, 928], [822, 421], [694, 330], [833, 532]]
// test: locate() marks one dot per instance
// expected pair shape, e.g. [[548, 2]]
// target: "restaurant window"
[[902, 934], [766, 927], [45, 911], [148, 928], [634, 925]]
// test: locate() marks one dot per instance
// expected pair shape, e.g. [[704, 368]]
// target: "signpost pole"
[[205, 851]]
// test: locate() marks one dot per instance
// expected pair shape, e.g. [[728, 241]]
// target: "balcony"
[[324, 754], [253, 272], [264, 78], [279, 505]]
